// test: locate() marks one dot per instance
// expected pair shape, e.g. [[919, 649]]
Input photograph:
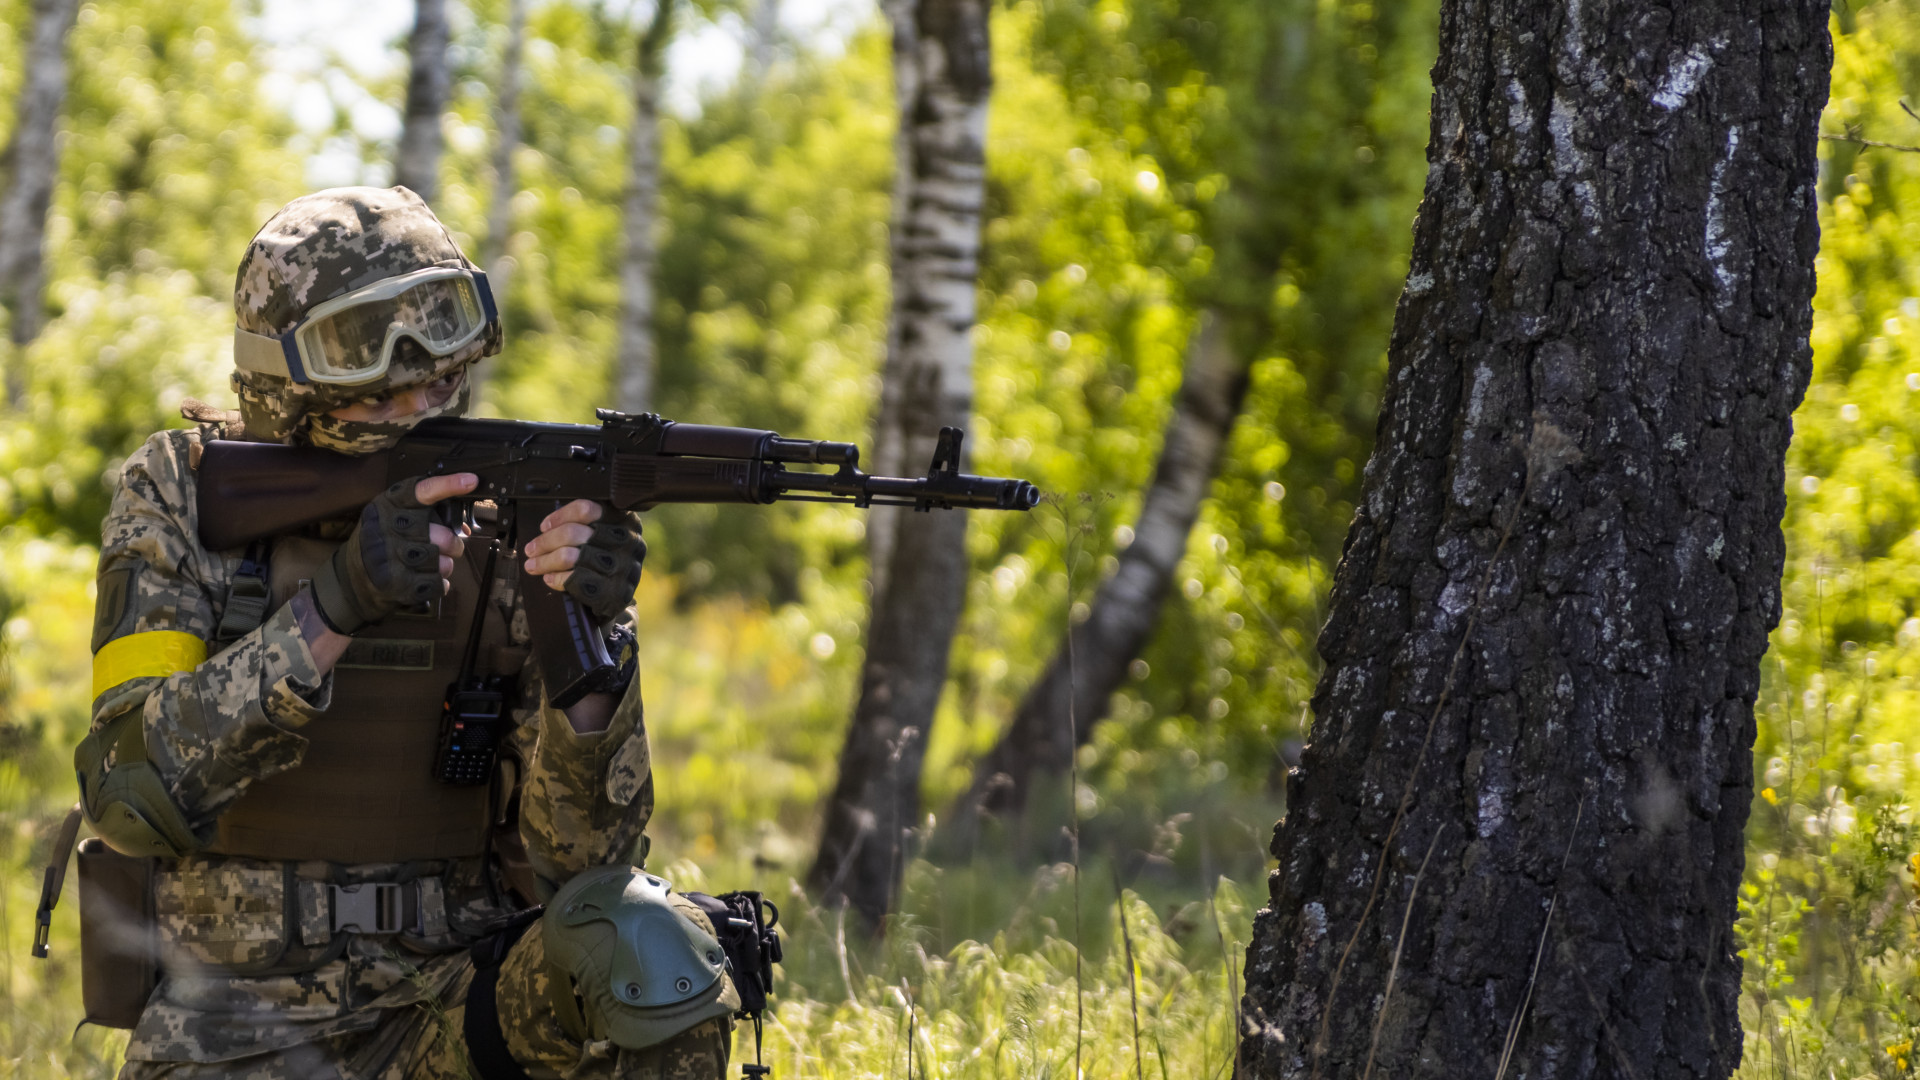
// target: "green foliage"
[[773, 302], [1828, 910], [170, 161]]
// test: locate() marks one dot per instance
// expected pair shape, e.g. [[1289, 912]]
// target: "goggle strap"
[[485, 289], [268, 354]]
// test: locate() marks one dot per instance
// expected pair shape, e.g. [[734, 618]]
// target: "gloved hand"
[[591, 552], [397, 557]]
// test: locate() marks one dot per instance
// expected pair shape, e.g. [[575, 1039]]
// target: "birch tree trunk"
[[942, 75], [417, 164], [34, 159], [635, 359], [506, 124], [1516, 838], [1059, 711]]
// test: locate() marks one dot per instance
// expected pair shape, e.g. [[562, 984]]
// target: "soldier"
[[265, 723]]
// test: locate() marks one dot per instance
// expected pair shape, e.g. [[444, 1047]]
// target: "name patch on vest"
[[389, 654]]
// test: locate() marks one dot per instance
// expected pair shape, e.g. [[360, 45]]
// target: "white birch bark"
[[635, 360], [941, 82], [943, 77], [506, 125], [35, 159], [1126, 607], [417, 163]]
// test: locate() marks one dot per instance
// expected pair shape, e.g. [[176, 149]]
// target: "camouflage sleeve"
[[214, 727], [587, 797]]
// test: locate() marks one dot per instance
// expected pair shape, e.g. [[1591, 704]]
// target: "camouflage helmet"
[[324, 245]]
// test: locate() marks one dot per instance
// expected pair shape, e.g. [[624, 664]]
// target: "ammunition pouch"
[[119, 953], [744, 922]]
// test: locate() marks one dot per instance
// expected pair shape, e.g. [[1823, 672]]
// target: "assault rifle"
[[250, 491]]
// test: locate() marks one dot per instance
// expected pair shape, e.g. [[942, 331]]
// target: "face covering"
[[372, 436]]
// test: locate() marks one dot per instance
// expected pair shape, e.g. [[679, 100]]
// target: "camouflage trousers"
[[207, 1026]]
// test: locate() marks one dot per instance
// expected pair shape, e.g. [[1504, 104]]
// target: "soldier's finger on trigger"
[[559, 538], [554, 561], [581, 511], [448, 541]]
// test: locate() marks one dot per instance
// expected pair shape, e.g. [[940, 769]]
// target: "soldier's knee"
[[631, 962], [619, 965]]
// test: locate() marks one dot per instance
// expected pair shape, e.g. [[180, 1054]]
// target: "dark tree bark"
[[942, 75], [417, 163], [635, 361], [33, 164], [1522, 807], [1080, 680]]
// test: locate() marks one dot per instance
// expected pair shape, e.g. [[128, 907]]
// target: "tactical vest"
[[364, 792]]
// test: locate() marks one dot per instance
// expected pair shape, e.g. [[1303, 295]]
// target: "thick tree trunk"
[[1520, 817], [635, 357], [1059, 711], [943, 77], [34, 160], [417, 164], [506, 124]]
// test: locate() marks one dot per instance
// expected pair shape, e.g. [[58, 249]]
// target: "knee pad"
[[631, 962]]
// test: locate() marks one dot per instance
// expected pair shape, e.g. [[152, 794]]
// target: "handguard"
[[630, 962]]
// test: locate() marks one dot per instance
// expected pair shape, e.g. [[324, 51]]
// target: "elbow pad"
[[122, 795]]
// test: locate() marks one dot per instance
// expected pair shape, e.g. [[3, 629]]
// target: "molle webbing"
[[364, 792]]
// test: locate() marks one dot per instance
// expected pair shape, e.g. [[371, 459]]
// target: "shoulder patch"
[[112, 616]]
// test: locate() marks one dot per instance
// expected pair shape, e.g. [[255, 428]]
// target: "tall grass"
[[977, 968]]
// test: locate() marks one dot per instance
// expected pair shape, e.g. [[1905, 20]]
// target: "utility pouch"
[[743, 922], [119, 953]]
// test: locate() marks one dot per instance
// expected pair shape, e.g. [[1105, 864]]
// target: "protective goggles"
[[349, 340]]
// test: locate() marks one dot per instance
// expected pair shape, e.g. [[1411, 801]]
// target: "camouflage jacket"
[[218, 725]]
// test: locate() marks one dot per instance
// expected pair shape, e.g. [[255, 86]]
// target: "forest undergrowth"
[[999, 966], [1012, 963]]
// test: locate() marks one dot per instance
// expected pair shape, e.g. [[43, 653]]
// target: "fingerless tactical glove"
[[388, 563], [609, 567]]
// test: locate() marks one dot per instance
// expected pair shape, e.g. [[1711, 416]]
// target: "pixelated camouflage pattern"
[[232, 914], [414, 1032], [236, 718], [325, 245], [257, 986], [567, 816], [534, 1035], [630, 768], [371, 436]]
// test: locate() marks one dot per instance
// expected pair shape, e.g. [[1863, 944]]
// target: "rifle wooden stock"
[[252, 490]]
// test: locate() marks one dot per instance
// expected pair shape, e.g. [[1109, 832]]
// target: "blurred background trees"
[[1148, 164]]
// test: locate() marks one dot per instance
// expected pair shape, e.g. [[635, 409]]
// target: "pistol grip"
[[567, 643]]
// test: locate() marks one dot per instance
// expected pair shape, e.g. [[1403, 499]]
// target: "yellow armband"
[[156, 652]]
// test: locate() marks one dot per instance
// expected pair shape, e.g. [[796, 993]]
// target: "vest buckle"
[[369, 908]]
